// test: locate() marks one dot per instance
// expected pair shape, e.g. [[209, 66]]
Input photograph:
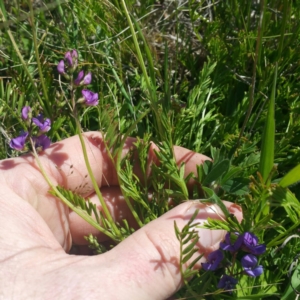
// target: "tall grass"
[[217, 77]]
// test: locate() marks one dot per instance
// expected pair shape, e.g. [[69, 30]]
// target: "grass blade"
[[291, 177], [268, 137]]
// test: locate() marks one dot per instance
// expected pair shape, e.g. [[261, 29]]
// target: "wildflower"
[[89, 98], [25, 112], [18, 143], [41, 141], [61, 67], [227, 283], [228, 246], [250, 243], [79, 77], [87, 78], [71, 58], [44, 125], [249, 264], [213, 260], [83, 80]]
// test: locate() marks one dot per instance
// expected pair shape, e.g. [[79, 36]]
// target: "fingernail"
[[209, 240]]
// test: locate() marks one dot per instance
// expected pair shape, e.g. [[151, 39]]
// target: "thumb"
[[148, 261]]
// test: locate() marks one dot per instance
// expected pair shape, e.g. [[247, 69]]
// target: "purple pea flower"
[[18, 143], [227, 283], [71, 58], [41, 141], [25, 112], [250, 243], [87, 78], [213, 260], [84, 80], [227, 245], [79, 77], [90, 98], [44, 125], [61, 67], [249, 263]]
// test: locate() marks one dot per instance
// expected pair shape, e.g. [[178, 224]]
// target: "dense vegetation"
[[218, 77]]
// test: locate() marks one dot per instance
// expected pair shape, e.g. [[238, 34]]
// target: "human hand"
[[36, 230]]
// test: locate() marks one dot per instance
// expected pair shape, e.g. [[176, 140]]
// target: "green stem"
[[36, 50], [137, 47], [80, 212], [22, 60], [95, 184], [152, 91], [254, 69]]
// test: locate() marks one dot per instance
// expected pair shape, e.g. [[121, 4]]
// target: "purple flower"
[[25, 111], [79, 77], [90, 98], [87, 78], [44, 125], [71, 58], [249, 263], [213, 260], [41, 141], [18, 143], [227, 283], [250, 243], [61, 67], [228, 246]]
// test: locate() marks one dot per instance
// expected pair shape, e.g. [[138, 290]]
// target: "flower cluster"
[[67, 67], [233, 244], [40, 140]]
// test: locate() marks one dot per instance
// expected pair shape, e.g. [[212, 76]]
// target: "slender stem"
[[95, 185], [137, 47], [25, 68], [88, 166], [151, 90], [36, 50], [80, 212], [253, 82]]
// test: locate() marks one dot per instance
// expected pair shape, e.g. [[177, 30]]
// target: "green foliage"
[[188, 238], [199, 74]]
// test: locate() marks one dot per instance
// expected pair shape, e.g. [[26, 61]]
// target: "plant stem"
[[80, 212]]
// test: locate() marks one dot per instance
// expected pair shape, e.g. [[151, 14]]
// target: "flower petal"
[[79, 77], [25, 111], [18, 143], [42, 141], [61, 67], [87, 78], [91, 98]]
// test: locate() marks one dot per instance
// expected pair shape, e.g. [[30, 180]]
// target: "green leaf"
[[289, 293], [213, 198], [191, 246], [189, 255], [285, 198], [237, 186], [217, 171], [291, 177], [268, 137]]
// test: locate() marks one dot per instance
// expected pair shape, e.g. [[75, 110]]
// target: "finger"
[[147, 262], [65, 165], [115, 200], [144, 266], [118, 208]]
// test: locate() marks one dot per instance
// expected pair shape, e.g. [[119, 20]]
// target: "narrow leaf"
[[190, 246], [291, 177], [268, 137], [188, 256]]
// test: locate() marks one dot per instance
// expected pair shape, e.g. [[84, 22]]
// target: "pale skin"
[[37, 230]]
